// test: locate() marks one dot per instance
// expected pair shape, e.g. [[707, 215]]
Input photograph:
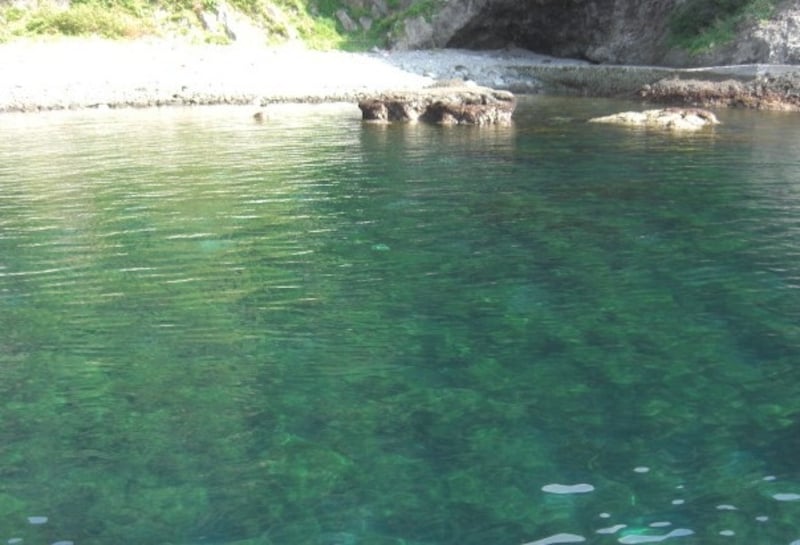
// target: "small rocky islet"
[[452, 102]]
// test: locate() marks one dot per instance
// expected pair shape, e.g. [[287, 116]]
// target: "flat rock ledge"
[[449, 104], [757, 86], [674, 119], [779, 92]]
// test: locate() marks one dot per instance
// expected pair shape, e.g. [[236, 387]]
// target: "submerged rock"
[[679, 119], [455, 103]]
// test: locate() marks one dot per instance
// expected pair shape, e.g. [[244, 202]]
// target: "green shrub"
[[87, 19], [698, 25], [134, 7]]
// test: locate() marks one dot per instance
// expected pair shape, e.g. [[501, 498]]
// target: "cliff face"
[[603, 31]]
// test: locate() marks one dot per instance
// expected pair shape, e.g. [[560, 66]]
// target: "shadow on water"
[[314, 331]]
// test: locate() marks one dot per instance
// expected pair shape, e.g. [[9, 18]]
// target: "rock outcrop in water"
[[675, 119], [453, 103], [768, 92]]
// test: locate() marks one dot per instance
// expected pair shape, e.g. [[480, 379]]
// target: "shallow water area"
[[311, 330]]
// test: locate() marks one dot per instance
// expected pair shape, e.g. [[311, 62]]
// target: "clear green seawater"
[[316, 332]]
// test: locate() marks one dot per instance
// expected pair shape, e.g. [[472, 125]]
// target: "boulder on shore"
[[678, 119], [454, 103]]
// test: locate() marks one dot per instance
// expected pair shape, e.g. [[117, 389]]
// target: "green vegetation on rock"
[[86, 19], [314, 23], [699, 25], [696, 26]]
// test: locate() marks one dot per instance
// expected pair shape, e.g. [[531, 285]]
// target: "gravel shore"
[[74, 73], [93, 73]]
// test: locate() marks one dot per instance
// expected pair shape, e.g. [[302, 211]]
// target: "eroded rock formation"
[[454, 104]]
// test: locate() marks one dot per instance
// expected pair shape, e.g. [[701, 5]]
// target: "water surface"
[[313, 331]]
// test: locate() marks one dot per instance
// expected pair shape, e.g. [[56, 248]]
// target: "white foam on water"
[[650, 534], [633, 539], [558, 538], [786, 496], [581, 488], [64, 542], [612, 529], [14, 541], [37, 520]]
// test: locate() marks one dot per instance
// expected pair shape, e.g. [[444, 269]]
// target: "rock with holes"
[[453, 104]]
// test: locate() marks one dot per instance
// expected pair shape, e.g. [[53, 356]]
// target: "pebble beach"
[[75, 73]]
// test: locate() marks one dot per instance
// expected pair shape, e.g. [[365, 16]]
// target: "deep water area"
[[313, 331]]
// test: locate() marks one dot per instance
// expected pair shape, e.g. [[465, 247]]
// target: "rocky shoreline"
[[95, 73]]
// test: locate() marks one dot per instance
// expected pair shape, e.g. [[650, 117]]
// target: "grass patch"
[[317, 31], [85, 19], [77, 20], [700, 25]]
